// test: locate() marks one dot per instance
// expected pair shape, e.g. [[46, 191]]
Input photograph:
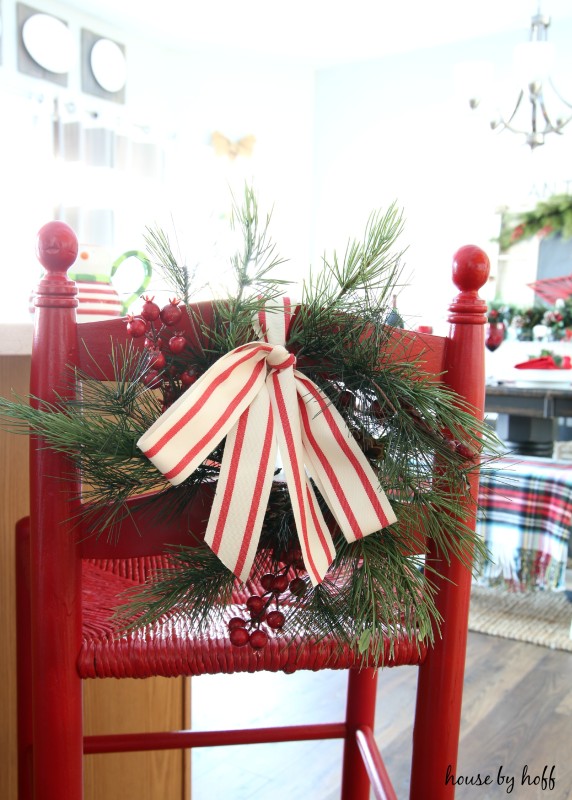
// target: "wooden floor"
[[517, 715]]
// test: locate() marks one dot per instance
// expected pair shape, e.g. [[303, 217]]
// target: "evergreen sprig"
[[253, 265], [362, 281], [406, 422], [179, 277], [197, 587]]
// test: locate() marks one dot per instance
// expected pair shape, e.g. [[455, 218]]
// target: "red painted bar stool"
[[68, 582]]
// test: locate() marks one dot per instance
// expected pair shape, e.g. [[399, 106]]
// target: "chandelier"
[[531, 115]]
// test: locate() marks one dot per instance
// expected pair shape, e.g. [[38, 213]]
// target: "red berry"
[[258, 639], [280, 583], [169, 395], [152, 378], [347, 398], [255, 604], [298, 587], [451, 443], [293, 554], [236, 622], [465, 451], [295, 558], [188, 377], [377, 409], [150, 309], [275, 620], [171, 313], [266, 581], [136, 327], [157, 359], [239, 637], [177, 343], [252, 600]]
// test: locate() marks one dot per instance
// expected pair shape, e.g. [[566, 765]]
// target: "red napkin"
[[544, 362]]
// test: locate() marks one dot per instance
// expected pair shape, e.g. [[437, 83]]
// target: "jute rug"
[[543, 618]]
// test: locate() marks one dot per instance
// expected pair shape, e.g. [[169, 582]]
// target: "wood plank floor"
[[517, 714]]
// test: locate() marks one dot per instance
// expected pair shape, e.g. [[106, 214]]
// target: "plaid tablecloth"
[[525, 519]]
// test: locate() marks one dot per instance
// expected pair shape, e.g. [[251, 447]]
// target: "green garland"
[[548, 218], [558, 319], [402, 419]]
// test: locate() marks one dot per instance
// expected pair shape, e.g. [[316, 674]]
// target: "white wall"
[[399, 129]]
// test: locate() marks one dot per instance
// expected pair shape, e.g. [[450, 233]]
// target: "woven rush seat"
[[170, 648]]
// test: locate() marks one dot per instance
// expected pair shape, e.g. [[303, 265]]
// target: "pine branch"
[[197, 587], [253, 266], [366, 277], [178, 277]]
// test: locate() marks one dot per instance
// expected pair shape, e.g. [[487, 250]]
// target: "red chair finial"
[[56, 247], [471, 268]]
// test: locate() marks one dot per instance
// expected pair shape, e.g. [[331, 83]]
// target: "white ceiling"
[[322, 31]]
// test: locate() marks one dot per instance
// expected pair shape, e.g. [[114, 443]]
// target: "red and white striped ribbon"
[[257, 399]]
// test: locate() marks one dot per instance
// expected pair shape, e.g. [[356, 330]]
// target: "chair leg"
[[56, 687], [23, 660], [439, 696], [360, 715]]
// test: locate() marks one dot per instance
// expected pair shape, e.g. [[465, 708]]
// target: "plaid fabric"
[[525, 518]]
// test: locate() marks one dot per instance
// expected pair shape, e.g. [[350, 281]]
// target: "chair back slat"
[[150, 526]]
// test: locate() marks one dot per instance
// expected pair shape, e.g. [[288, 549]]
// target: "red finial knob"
[[471, 268], [56, 247]]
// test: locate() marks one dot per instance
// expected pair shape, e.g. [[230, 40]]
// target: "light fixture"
[[108, 65], [103, 66], [48, 41], [533, 61]]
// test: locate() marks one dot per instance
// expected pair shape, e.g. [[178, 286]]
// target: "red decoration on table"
[[545, 362]]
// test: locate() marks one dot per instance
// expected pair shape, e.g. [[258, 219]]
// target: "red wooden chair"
[[65, 588]]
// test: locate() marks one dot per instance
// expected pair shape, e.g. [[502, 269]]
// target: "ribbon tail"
[[320, 550], [314, 536], [343, 473], [237, 513]]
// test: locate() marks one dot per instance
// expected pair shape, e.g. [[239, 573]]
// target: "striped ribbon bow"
[[257, 399]]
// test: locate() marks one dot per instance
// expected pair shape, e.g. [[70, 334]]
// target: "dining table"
[[530, 415], [524, 518]]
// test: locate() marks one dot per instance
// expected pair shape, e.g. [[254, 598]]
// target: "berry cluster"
[[265, 608], [165, 342]]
